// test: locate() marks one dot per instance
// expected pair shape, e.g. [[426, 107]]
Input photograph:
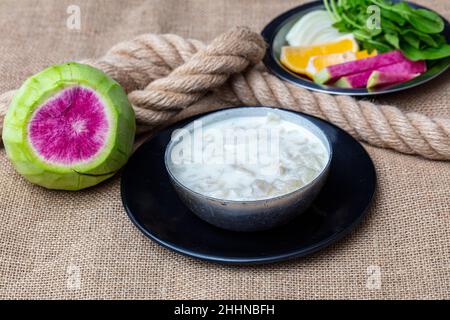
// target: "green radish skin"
[[344, 82], [48, 84]]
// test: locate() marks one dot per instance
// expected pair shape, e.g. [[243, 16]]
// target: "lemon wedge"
[[296, 59], [317, 63]]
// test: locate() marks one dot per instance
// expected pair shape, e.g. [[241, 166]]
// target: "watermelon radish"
[[332, 73], [357, 80], [408, 69], [379, 78], [69, 127]]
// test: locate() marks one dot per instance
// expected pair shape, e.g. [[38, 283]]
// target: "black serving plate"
[[154, 207], [275, 32]]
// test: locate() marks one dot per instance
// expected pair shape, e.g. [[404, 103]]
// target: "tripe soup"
[[245, 158]]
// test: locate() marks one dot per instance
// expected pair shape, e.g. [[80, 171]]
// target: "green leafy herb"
[[425, 54], [392, 39], [416, 32], [411, 39]]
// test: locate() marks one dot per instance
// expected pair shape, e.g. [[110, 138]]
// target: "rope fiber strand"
[[164, 74]]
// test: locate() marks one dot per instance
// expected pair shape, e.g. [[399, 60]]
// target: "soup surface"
[[247, 158]]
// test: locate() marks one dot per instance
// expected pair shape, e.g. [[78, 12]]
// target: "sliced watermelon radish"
[[332, 73], [408, 69], [379, 78], [357, 80], [69, 127]]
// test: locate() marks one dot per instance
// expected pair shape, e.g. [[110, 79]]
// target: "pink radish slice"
[[337, 71], [69, 128], [357, 80], [360, 80], [378, 78]]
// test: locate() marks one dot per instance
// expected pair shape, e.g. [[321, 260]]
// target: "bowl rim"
[[323, 172], [271, 30]]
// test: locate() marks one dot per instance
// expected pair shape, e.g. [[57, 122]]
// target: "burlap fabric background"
[[48, 238]]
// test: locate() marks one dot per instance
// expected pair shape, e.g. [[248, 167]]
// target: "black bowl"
[[155, 208]]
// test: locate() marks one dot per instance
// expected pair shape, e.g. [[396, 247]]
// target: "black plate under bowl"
[[275, 32], [154, 207]]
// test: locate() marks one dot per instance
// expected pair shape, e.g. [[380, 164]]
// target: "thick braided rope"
[[380, 125], [138, 62], [207, 69], [186, 70]]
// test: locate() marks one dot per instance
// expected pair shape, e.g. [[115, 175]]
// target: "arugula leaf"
[[370, 43], [426, 21], [430, 40], [392, 16], [412, 40], [425, 54], [392, 39], [341, 26]]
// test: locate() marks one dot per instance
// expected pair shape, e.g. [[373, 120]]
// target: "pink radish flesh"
[[378, 78], [359, 80], [69, 128], [334, 72]]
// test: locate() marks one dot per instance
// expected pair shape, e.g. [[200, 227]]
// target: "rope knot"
[[208, 69]]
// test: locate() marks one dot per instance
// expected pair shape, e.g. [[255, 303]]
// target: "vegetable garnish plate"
[[275, 34], [153, 205]]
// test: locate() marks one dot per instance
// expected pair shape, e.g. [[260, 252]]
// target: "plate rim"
[[271, 29], [252, 260]]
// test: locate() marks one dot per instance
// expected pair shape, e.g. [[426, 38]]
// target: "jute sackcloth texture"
[[50, 240]]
